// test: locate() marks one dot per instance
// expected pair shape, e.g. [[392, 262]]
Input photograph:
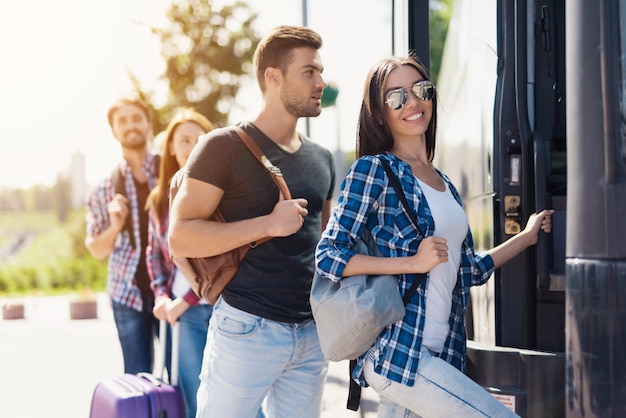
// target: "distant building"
[[78, 180]]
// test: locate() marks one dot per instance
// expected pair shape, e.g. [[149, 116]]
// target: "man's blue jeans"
[[440, 390], [248, 358], [136, 331], [193, 326]]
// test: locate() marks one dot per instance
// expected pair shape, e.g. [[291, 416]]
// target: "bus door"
[[530, 171], [502, 141]]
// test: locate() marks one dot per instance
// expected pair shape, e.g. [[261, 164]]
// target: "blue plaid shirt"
[[367, 200]]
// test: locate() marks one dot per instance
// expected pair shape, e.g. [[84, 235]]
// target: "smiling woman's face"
[[413, 118]]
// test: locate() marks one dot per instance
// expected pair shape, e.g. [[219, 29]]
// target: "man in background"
[[117, 228]]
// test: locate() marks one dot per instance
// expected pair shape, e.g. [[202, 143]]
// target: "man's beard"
[[134, 143], [297, 107]]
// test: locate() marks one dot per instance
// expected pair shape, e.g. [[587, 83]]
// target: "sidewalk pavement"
[[50, 364]]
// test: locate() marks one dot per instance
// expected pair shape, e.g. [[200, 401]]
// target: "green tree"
[[61, 194], [207, 51], [439, 19], [12, 199], [39, 198]]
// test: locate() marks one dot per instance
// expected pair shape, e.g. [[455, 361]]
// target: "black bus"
[[532, 115]]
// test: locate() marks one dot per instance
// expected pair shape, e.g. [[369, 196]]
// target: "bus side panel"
[[596, 227], [596, 338], [530, 382]]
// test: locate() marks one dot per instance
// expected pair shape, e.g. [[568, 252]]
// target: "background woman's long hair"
[[158, 200], [373, 135]]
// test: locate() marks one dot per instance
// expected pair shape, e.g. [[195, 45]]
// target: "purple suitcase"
[[136, 396], [142, 395]]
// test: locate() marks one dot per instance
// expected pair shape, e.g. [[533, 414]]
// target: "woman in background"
[[174, 299]]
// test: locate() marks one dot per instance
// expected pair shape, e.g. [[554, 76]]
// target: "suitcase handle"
[[149, 377], [173, 378]]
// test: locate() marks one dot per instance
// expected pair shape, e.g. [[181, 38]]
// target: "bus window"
[[466, 90]]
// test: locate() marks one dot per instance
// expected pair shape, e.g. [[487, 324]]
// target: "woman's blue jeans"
[[440, 390], [193, 326]]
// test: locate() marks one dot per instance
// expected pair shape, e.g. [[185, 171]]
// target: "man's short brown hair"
[[124, 101], [274, 50]]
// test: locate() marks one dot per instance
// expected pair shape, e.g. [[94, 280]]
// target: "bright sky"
[[65, 61]]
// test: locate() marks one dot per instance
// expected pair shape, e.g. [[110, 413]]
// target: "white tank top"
[[181, 286], [451, 224]]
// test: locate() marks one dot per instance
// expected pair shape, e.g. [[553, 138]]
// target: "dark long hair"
[[373, 135]]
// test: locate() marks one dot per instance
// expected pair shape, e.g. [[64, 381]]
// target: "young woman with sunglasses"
[[417, 364]]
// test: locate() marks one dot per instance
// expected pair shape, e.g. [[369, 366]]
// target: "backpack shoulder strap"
[[119, 183], [274, 171], [118, 180]]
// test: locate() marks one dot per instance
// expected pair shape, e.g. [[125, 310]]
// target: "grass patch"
[[27, 221], [46, 248], [53, 259], [13, 224]]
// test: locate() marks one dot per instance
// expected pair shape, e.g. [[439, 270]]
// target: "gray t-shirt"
[[274, 279]]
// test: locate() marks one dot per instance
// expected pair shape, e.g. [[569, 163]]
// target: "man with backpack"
[[117, 228], [262, 345]]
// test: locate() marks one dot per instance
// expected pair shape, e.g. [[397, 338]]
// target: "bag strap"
[[398, 189], [120, 188], [354, 390], [119, 183], [274, 171]]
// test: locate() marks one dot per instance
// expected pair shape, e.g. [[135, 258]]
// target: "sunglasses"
[[423, 90]]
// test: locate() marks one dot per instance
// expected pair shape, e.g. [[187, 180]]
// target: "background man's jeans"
[[136, 331]]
